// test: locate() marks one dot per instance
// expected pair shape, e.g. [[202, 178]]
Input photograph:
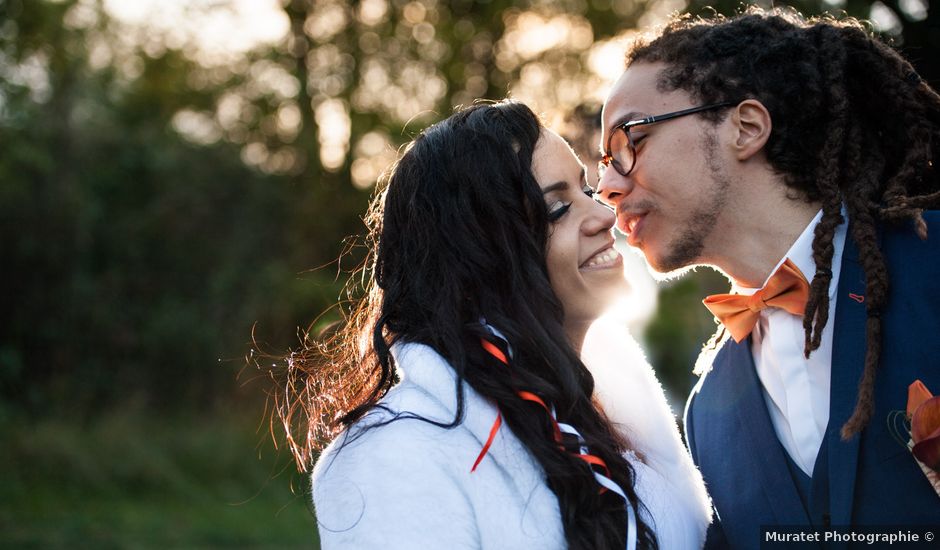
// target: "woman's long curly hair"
[[853, 124], [459, 234]]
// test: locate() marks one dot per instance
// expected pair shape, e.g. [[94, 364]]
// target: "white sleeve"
[[393, 488]]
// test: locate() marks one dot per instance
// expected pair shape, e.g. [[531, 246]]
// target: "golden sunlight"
[[332, 118], [215, 31]]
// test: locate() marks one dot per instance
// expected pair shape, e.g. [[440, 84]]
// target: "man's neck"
[[752, 240]]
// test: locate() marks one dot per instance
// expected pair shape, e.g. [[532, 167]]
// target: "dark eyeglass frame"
[[609, 160]]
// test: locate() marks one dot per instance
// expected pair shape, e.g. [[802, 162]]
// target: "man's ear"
[[751, 126]]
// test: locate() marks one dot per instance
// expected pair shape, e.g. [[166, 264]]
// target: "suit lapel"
[[848, 358], [759, 438]]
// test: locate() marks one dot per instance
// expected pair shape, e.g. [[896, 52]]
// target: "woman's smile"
[[604, 259]]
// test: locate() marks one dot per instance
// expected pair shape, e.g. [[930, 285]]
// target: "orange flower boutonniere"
[[923, 416]]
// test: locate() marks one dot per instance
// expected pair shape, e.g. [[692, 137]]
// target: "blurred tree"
[[139, 248], [157, 199]]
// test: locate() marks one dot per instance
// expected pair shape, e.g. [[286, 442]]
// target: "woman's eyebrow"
[[557, 186]]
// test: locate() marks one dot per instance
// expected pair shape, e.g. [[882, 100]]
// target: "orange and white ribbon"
[[559, 428]]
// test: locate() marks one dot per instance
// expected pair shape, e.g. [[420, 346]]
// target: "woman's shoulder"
[[393, 426], [406, 426], [414, 429], [416, 420], [385, 465]]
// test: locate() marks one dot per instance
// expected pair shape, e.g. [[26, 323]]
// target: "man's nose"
[[599, 219], [613, 188]]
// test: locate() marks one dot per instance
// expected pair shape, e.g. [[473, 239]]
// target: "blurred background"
[[177, 181]]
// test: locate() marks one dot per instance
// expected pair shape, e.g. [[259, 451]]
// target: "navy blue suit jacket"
[[872, 479]]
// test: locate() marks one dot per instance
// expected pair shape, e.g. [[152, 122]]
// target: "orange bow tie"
[[787, 289]]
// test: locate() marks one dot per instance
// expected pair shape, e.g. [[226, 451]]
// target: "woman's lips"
[[604, 259]]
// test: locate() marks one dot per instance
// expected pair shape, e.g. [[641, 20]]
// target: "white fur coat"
[[627, 389], [408, 484]]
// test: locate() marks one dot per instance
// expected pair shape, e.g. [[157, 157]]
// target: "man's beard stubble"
[[686, 249]]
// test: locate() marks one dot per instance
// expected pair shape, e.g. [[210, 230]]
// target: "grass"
[[129, 479]]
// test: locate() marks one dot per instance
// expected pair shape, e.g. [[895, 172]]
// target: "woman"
[[489, 262]]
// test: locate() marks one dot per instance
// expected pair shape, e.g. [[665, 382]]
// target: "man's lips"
[[627, 221]]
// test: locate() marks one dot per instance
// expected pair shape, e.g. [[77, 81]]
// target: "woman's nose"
[[602, 219]]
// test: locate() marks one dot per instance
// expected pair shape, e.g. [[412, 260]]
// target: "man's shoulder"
[[710, 350], [907, 232], [932, 219], [713, 356], [910, 256]]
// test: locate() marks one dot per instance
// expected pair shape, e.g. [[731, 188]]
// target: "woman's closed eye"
[[559, 208]]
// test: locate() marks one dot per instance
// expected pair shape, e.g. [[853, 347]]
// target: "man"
[[769, 145]]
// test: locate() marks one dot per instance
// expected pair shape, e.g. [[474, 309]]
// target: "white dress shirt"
[[796, 389]]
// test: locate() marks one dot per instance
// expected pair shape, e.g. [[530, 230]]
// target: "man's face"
[[670, 203]]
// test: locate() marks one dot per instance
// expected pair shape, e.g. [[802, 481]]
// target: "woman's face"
[[585, 270]]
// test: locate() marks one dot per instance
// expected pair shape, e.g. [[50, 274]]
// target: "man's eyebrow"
[[557, 186], [629, 117]]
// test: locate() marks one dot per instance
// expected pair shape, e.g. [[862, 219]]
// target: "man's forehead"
[[634, 93]]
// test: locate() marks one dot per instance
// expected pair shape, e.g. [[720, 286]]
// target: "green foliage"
[[681, 326], [132, 480], [135, 260]]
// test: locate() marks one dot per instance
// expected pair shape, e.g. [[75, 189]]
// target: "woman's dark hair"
[[853, 124], [459, 235]]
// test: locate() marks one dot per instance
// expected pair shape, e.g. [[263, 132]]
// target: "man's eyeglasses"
[[621, 150]]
